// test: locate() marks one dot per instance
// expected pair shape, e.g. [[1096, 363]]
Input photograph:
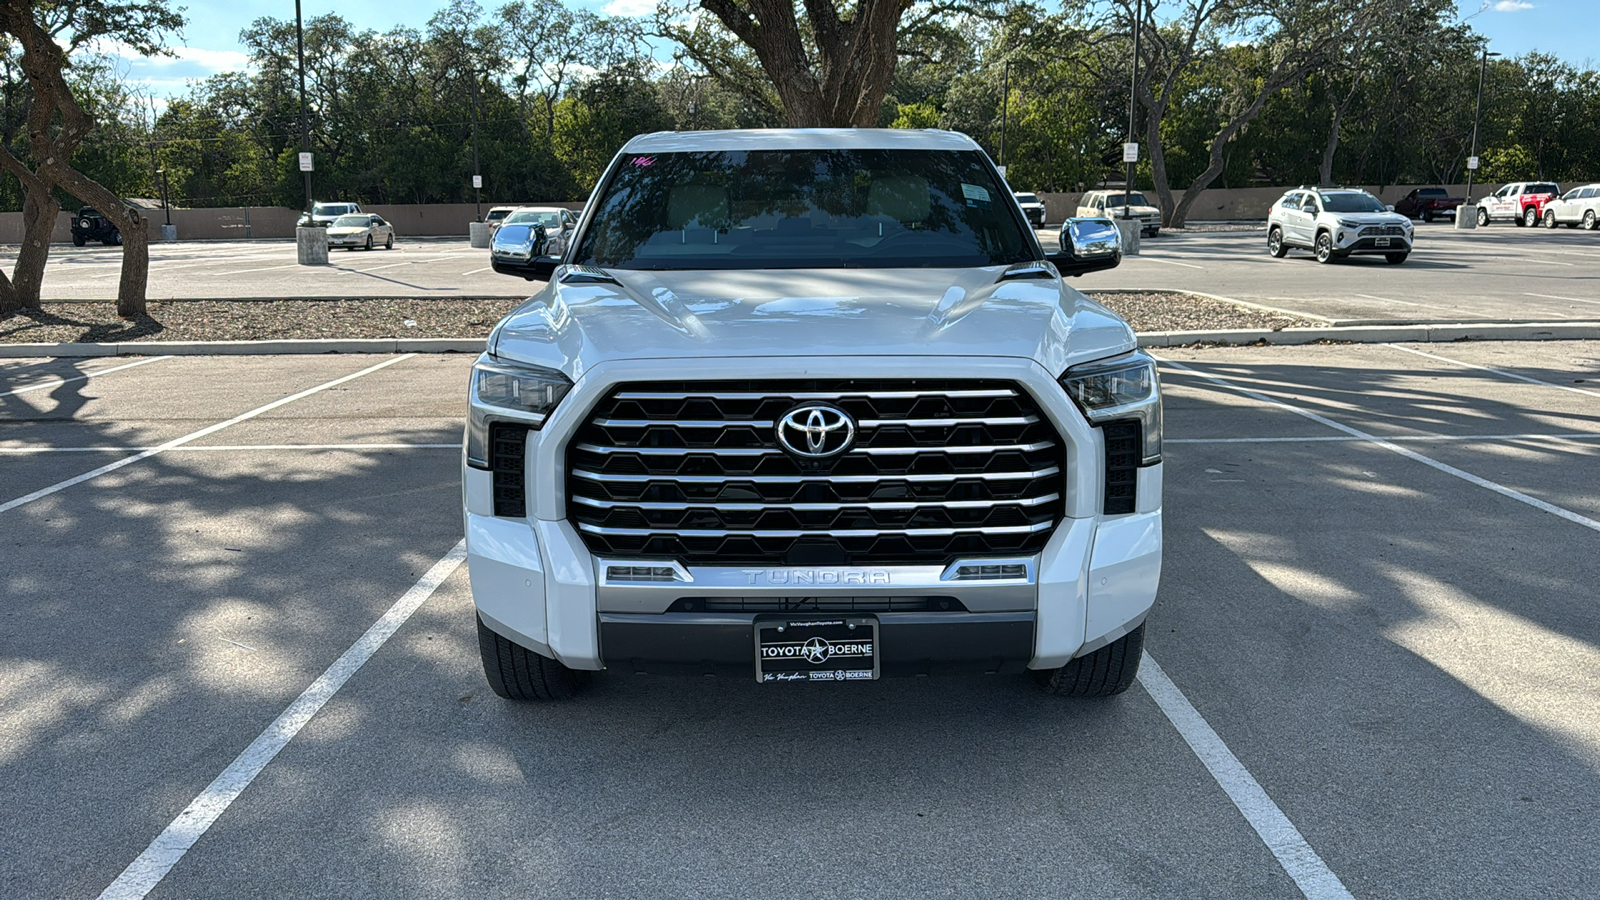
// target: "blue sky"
[[1567, 28]]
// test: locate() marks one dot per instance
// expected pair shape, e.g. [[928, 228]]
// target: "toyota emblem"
[[816, 431]]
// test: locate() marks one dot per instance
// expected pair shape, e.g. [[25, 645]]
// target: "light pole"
[[1477, 110], [165, 203], [1133, 91], [1005, 109], [305, 131]]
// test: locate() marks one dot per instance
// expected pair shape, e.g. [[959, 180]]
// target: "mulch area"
[[250, 320]]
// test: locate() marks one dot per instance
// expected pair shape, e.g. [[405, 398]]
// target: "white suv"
[[812, 406], [1578, 206], [1335, 223]]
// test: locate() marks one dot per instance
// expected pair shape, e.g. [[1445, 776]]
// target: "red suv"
[[1521, 202]]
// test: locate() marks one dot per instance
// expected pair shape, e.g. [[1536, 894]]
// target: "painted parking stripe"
[[231, 448], [1500, 372], [1168, 262], [1315, 880], [1568, 299], [1417, 438], [147, 870], [476, 271], [178, 442], [60, 381], [1468, 477]]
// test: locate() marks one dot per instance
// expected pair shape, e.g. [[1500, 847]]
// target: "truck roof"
[[800, 139]]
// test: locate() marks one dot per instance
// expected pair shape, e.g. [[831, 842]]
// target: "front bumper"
[[1352, 243], [536, 583]]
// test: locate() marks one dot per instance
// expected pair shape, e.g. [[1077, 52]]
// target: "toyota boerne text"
[[812, 406]]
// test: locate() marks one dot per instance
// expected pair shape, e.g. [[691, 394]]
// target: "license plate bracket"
[[816, 648], [1382, 242]]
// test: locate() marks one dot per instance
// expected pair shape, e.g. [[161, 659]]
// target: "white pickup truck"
[[812, 405]]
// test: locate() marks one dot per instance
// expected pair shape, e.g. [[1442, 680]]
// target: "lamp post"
[[1005, 109], [305, 131], [165, 203], [1477, 110], [1133, 102]]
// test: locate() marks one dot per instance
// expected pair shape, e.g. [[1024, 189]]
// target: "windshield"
[[1351, 203], [801, 209], [1027, 198], [1541, 189], [330, 209], [496, 215], [547, 219], [351, 222], [1134, 199]]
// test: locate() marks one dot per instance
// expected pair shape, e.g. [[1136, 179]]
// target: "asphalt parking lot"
[[1375, 664], [1498, 273], [226, 270]]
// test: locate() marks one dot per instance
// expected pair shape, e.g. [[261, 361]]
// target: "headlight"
[[1346, 223], [508, 393], [1122, 387]]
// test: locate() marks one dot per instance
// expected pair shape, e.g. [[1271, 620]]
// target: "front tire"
[[1396, 259], [1104, 673], [517, 673], [1324, 248], [389, 243], [1483, 217], [1275, 244], [1530, 217], [369, 242]]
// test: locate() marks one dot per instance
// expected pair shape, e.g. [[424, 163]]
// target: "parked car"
[[1522, 202], [553, 218], [1335, 223], [362, 230], [1032, 207], [1578, 206], [88, 225], [1428, 203], [1109, 203], [812, 407], [496, 215], [324, 214]]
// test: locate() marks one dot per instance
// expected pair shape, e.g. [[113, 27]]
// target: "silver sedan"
[[363, 230]]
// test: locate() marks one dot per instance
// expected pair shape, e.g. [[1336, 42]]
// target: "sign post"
[[305, 162]]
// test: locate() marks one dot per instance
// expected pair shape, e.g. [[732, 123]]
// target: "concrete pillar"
[[479, 232], [1130, 235], [169, 232], [1467, 216], [311, 244]]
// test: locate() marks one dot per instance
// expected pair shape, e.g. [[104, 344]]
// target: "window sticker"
[[976, 195]]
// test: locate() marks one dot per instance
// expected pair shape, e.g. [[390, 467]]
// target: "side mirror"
[[1087, 245], [1389, 207]]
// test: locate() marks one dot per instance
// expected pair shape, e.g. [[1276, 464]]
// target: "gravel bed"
[[1176, 311], [247, 320]]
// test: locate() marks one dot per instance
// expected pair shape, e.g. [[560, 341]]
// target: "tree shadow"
[[93, 331]]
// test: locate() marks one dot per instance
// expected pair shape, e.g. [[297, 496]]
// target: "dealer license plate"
[[1382, 242], [816, 648]]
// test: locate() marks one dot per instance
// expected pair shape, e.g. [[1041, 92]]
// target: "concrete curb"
[[1374, 334], [1382, 334]]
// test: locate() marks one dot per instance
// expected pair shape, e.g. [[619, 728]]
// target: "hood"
[[808, 313], [1372, 218], [347, 229], [1136, 208]]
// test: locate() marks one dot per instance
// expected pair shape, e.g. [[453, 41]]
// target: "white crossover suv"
[[1578, 206], [1334, 223], [812, 405]]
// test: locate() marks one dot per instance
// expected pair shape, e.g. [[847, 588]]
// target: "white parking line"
[[1404, 302], [1501, 372], [1163, 261], [60, 381], [178, 442], [146, 871], [1315, 880], [1422, 438], [476, 271], [230, 448], [1568, 299], [1468, 477], [246, 271]]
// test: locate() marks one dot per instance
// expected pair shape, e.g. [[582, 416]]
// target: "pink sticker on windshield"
[[644, 160]]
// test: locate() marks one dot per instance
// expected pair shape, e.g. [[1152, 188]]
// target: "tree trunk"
[[1325, 172], [135, 236], [1180, 215], [39, 213], [1158, 164]]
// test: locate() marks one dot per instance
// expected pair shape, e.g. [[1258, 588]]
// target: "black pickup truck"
[[1425, 203]]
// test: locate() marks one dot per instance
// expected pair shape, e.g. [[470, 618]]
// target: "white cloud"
[[201, 59], [640, 8], [1512, 5]]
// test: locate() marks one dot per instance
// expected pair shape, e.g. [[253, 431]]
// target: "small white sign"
[[1472, 162], [477, 181], [305, 162], [1130, 153], [1001, 170]]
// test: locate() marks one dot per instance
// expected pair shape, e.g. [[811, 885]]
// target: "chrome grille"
[[1382, 231], [941, 469]]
